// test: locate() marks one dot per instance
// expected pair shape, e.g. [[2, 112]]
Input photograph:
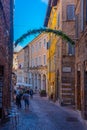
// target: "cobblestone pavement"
[[43, 115]]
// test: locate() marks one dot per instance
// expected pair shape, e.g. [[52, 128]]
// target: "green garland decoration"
[[46, 30]]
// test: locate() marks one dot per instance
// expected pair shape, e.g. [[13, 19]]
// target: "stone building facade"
[[14, 69], [61, 16], [26, 64], [6, 53], [15, 61], [81, 57], [38, 62]]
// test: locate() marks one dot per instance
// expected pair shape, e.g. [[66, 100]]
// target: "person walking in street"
[[26, 99], [18, 100], [31, 93]]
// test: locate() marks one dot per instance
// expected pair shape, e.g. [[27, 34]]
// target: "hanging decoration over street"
[[44, 30]]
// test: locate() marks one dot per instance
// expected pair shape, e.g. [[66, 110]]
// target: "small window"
[[40, 45], [40, 60], [71, 49], [70, 12], [36, 61], [58, 22], [44, 59], [44, 42], [48, 45]]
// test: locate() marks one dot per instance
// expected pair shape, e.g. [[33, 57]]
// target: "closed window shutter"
[[71, 12], [76, 23], [58, 20], [48, 45], [82, 15]]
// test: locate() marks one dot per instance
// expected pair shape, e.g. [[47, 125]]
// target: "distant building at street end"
[[38, 62], [15, 61], [26, 64]]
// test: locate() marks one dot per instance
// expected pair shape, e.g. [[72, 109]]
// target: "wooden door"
[[1, 87], [85, 94], [79, 90]]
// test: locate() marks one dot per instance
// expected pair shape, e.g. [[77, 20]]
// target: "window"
[[76, 25], [44, 42], [40, 45], [86, 11], [58, 22], [32, 63], [36, 61], [40, 60], [70, 12], [82, 15], [44, 59], [71, 49], [32, 49], [36, 47], [48, 45]]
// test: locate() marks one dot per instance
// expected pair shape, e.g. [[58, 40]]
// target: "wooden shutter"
[[82, 15], [58, 22], [76, 26], [71, 12]]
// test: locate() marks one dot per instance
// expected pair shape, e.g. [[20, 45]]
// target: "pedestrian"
[[26, 99], [18, 100], [31, 93]]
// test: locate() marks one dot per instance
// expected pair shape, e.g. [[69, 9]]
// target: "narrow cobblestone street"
[[44, 115]]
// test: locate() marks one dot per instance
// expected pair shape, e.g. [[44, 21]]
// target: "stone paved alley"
[[44, 115]]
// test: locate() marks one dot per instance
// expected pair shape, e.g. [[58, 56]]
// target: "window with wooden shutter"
[[58, 22], [71, 12], [48, 45], [82, 15], [76, 25], [86, 11]]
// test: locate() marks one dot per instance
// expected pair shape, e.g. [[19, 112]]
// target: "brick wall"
[[81, 59], [6, 40]]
